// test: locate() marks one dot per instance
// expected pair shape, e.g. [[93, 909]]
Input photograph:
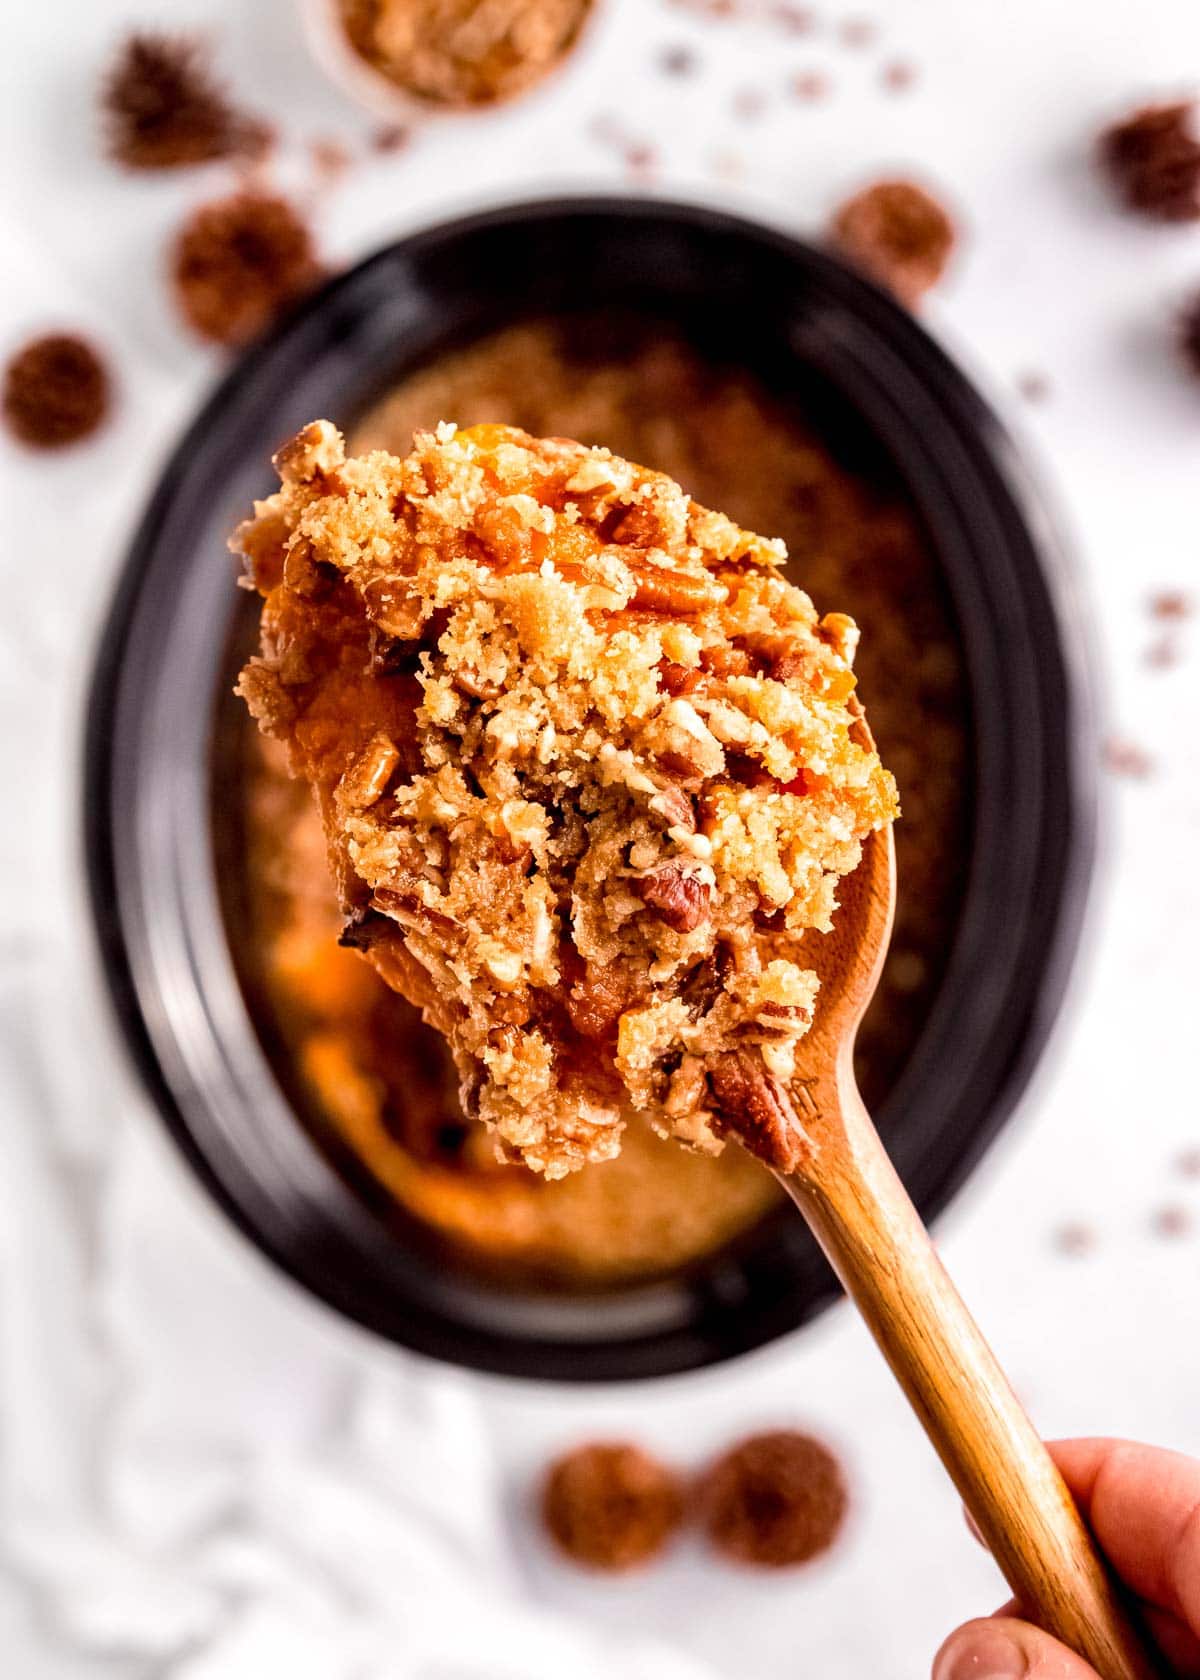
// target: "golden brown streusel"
[[587, 763], [609, 1505], [900, 234], [458, 52], [775, 1500]]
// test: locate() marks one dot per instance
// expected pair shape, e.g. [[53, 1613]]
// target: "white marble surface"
[[202, 1474]]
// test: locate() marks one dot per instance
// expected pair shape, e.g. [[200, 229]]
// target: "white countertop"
[[203, 1475]]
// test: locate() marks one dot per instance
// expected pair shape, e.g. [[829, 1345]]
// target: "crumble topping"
[[587, 763], [458, 52]]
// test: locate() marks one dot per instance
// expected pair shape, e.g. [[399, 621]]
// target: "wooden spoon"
[[841, 1179]]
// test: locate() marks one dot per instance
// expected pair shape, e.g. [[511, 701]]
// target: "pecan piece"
[[678, 679], [414, 915], [366, 780], [675, 807], [841, 633], [362, 928], [676, 898], [756, 1110], [305, 575], [726, 661], [600, 996], [659, 589]]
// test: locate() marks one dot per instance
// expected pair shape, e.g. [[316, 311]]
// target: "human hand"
[[1143, 1506]]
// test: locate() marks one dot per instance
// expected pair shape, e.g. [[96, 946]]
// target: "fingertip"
[[1005, 1648], [980, 1650]]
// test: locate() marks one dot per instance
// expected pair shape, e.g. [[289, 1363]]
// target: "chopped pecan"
[[677, 679], [687, 1089], [600, 996], [366, 780], [755, 1109], [726, 661], [841, 633], [314, 456], [659, 589], [788, 667], [362, 928], [304, 574], [639, 526], [509, 850], [681, 765], [677, 898], [470, 682], [675, 807], [411, 912]]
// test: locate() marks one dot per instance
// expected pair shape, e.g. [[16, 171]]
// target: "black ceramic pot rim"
[[1034, 831]]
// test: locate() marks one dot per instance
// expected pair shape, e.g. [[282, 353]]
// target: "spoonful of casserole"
[[588, 765], [599, 798]]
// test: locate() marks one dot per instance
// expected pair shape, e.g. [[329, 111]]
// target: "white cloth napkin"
[[202, 1473]]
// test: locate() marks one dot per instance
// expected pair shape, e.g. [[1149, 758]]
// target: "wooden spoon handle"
[[861, 1215]]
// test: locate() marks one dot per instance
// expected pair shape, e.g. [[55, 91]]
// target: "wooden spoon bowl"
[[839, 1175]]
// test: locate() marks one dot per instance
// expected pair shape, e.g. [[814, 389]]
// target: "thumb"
[[1003, 1648]]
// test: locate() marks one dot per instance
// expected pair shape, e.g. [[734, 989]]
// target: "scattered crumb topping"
[[164, 109], [611, 1506], [1152, 160], [238, 262], [774, 1501], [56, 391], [1173, 606], [1075, 1238], [589, 766], [1174, 1220], [457, 52], [899, 234], [1125, 758], [1034, 385]]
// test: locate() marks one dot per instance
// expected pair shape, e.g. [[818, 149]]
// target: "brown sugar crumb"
[[392, 137], [571, 863], [238, 262], [164, 109], [898, 76], [641, 159], [677, 61], [899, 234], [1152, 160], [1126, 758], [749, 104], [1173, 1221], [611, 1506], [331, 158], [1033, 385], [458, 52], [776, 1500], [1163, 654], [56, 392], [857, 32], [1075, 1239], [1171, 605], [810, 85], [794, 20]]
